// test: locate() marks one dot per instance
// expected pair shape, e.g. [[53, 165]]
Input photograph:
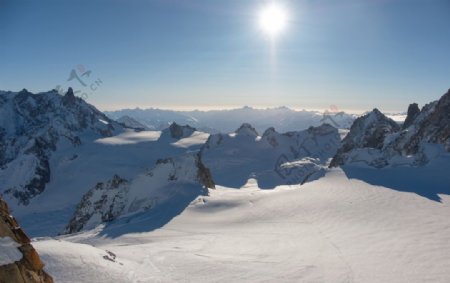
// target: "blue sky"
[[189, 54]]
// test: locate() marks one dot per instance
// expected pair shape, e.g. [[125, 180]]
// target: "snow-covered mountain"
[[171, 181], [378, 141], [129, 122], [272, 159], [55, 148], [61, 156], [33, 127], [225, 121]]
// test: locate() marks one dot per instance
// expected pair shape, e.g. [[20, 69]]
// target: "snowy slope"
[[78, 169], [129, 122], [332, 230]]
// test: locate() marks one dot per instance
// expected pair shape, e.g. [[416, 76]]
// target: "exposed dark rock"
[[434, 128], [29, 269], [98, 201], [413, 112], [176, 131], [69, 98], [247, 129], [381, 141], [368, 131], [271, 136], [108, 201], [204, 175]]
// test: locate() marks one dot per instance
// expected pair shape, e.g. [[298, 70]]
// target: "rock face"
[[432, 125], [379, 143], [177, 132], [33, 127], [170, 179], [413, 112], [368, 131], [27, 266], [105, 200], [246, 130]]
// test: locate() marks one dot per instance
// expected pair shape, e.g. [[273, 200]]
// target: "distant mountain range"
[[282, 119]]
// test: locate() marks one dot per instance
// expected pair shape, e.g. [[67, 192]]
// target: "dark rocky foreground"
[[30, 268]]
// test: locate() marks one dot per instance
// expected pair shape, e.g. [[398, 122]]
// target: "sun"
[[273, 19]]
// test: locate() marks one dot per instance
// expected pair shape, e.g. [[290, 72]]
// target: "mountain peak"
[[270, 131], [24, 91], [69, 92], [368, 131], [413, 112], [176, 131], [246, 130], [376, 111], [69, 98]]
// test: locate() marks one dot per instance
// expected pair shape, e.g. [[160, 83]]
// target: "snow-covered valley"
[[332, 230]]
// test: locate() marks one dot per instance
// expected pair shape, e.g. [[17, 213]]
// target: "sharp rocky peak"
[[413, 112], [246, 130], [368, 131], [176, 131], [383, 142]]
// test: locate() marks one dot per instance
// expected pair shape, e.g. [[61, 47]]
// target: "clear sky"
[[355, 54]]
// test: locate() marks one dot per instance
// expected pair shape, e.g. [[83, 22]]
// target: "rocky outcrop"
[[413, 112], [247, 130], [376, 141], [368, 131], [175, 131], [204, 174], [107, 200], [170, 179], [28, 268], [431, 126]]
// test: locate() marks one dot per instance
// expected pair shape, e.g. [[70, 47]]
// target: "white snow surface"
[[131, 137], [197, 138], [334, 229], [9, 252]]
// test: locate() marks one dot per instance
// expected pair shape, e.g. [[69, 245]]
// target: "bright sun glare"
[[273, 19]]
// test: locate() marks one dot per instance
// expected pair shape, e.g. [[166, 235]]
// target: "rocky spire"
[[69, 97], [413, 112]]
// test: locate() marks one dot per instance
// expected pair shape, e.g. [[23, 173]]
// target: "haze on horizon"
[[201, 54]]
